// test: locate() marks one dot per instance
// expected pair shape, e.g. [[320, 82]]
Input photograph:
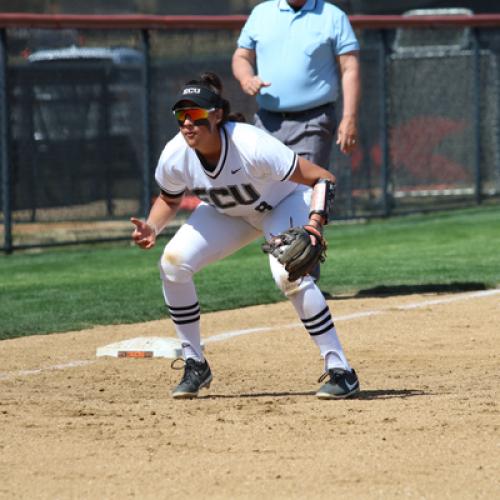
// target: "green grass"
[[69, 289]]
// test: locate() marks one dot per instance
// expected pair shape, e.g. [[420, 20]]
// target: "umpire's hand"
[[253, 84], [347, 135], [143, 235]]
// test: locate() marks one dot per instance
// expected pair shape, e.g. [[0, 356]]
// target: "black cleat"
[[196, 376], [342, 384]]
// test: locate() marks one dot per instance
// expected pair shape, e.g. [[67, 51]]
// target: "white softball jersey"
[[251, 177]]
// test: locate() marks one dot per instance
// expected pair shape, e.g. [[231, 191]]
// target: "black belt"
[[297, 114]]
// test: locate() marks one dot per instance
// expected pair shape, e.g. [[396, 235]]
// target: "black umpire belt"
[[297, 115]]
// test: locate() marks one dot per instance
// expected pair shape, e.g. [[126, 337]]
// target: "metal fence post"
[[4, 146], [384, 133], [476, 68], [146, 156]]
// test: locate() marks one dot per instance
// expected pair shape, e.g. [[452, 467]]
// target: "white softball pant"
[[208, 236]]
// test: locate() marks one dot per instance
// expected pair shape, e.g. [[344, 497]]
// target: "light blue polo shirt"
[[296, 52]]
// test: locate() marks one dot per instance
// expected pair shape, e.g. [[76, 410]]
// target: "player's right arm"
[[162, 212], [243, 65]]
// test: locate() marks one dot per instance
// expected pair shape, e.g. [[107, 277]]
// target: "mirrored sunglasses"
[[196, 115]]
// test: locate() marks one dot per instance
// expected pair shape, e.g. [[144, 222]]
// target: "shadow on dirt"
[[365, 395], [257, 395], [390, 394], [386, 290]]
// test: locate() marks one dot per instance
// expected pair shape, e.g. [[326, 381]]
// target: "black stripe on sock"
[[307, 320], [196, 304], [324, 330], [181, 315], [186, 321], [327, 319]]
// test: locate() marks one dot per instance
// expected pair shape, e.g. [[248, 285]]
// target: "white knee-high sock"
[[315, 314], [182, 304]]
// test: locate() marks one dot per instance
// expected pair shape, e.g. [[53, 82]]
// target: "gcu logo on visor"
[[191, 91]]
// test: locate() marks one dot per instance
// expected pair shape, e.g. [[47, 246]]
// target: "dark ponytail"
[[213, 82]]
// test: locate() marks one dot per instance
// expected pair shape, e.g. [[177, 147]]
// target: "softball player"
[[250, 185]]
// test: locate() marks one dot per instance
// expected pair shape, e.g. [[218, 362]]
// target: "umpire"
[[289, 55]]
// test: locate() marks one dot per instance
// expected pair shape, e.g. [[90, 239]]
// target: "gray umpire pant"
[[308, 133]]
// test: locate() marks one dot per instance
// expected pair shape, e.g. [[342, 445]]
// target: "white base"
[[144, 347]]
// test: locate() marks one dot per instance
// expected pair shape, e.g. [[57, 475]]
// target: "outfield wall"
[[84, 114]]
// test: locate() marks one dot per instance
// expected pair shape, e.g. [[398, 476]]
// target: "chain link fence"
[[88, 113]]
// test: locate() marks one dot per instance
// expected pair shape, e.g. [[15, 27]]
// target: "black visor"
[[201, 96]]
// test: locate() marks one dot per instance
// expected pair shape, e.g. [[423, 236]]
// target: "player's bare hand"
[[143, 235], [347, 137], [315, 230], [253, 84]]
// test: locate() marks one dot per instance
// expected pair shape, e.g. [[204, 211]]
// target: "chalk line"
[[358, 315], [237, 333], [36, 371]]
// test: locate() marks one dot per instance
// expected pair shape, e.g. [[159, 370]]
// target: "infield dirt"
[[425, 425]]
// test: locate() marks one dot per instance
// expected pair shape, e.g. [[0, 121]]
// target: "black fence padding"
[[74, 134]]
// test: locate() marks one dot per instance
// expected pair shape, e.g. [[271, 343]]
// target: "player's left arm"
[[347, 135], [301, 249], [323, 183]]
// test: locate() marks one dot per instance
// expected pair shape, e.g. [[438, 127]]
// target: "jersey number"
[[263, 206]]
